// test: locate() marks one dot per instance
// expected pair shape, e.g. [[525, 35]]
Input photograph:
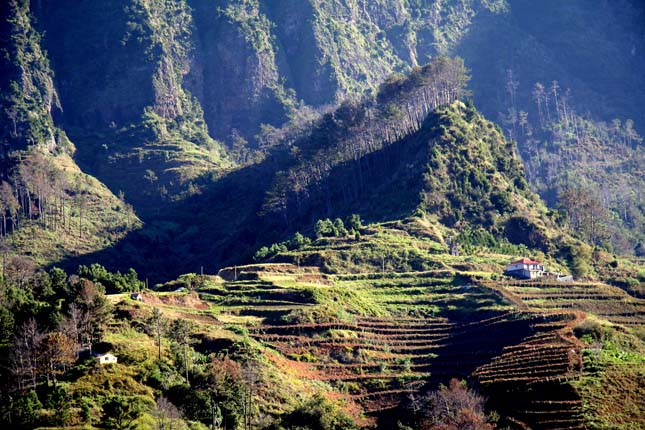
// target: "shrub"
[[588, 328], [579, 257], [455, 407], [316, 414]]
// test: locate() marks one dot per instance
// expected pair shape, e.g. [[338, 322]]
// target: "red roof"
[[526, 261]]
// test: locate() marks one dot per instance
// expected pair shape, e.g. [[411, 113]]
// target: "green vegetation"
[[613, 356], [27, 93], [280, 344]]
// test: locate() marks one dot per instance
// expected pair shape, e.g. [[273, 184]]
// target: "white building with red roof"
[[525, 268]]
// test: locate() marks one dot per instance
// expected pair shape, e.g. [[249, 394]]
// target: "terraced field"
[[378, 338], [605, 301], [547, 367]]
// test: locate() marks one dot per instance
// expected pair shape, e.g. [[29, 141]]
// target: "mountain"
[[250, 62], [351, 213], [383, 159], [177, 107], [51, 209]]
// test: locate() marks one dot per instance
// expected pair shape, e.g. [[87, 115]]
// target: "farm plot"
[[605, 301], [417, 332], [377, 338]]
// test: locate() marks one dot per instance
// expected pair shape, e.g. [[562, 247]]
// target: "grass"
[[106, 219], [612, 384]]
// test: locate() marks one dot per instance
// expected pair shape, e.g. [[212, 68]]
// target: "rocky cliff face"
[[250, 62]]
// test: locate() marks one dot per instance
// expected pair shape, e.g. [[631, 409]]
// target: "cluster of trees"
[[37, 191], [357, 129], [322, 228], [336, 228], [113, 282], [585, 214], [315, 414], [50, 323], [569, 157], [221, 390], [470, 239], [46, 319], [298, 241], [472, 175]]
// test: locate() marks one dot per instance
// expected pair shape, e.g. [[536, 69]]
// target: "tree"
[[58, 281], [120, 412], [538, 96], [96, 311], [19, 270], [587, 214], [157, 326], [24, 354], [511, 88], [354, 222], [180, 332], [150, 176], [167, 416], [76, 323], [7, 325], [455, 407], [250, 377], [324, 228], [580, 257], [24, 411], [227, 390], [80, 198], [8, 205], [339, 228], [316, 414], [299, 241], [56, 353]]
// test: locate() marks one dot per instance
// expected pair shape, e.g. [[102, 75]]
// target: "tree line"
[[358, 128], [586, 167], [38, 192]]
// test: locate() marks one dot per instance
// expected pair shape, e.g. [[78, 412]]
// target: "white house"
[[525, 269], [105, 358], [137, 296]]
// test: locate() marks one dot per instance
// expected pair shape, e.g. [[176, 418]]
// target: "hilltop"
[[456, 167]]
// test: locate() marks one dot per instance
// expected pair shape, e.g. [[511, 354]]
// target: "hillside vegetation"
[[270, 343], [180, 108]]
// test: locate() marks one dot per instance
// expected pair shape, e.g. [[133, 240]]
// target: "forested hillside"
[[50, 208], [169, 103]]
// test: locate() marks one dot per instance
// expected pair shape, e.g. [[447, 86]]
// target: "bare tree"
[[157, 326], [538, 96], [167, 416], [20, 270], [57, 352], [180, 332], [455, 407], [24, 354], [250, 376], [76, 323]]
